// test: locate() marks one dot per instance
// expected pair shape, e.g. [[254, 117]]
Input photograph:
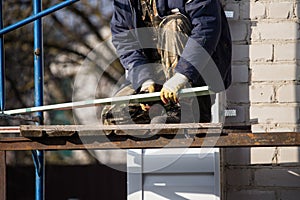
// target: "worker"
[[173, 44]]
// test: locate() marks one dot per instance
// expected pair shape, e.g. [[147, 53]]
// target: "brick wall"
[[261, 173], [266, 87], [266, 90]]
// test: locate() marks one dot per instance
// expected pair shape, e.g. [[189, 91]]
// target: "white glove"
[[170, 89], [148, 86]]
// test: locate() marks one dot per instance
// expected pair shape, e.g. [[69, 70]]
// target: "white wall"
[[266, 90]]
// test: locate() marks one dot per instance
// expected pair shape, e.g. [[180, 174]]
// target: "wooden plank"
[[128, 129], [147, 97], [2, 175], [157, 141]]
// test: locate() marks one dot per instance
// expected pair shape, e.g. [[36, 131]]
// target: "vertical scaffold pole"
[[38, 156], [2, 68]]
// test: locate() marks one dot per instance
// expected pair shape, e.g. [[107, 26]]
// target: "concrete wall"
[[266, 94]]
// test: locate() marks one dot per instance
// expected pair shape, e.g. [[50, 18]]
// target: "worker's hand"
[[170, 89], [147, 86]]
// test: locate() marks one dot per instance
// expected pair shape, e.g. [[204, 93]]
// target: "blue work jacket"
[[209, 38]]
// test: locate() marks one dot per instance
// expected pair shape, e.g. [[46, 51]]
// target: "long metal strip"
[[155, 96]]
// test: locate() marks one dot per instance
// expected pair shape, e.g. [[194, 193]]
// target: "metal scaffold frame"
[[74, 137], [38, 13]]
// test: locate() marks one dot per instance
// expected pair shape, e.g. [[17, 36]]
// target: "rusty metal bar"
[[2, 175], [235, 139], [138, 136]]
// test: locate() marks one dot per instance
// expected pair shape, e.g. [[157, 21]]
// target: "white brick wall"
[[278, 30], [239, 30], [274, 73], [274, 155], [287, 94], [235, 7], [257, 10], [266, 88], [262, 93], [249, 174], [238, 93], [283, 51], [242, 115], [280, 114], [261, 52], [240, 73], [273, 88], [265, 35], [280, 10], [240, 53]]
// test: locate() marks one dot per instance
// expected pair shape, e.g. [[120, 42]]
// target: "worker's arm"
[[124, 38], [205, 16]]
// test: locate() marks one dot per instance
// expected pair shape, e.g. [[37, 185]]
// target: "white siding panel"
[[188, 163], [173, 174], [178, 180]]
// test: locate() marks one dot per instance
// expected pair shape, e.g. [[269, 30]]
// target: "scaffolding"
[[71, 137], [38, 13]]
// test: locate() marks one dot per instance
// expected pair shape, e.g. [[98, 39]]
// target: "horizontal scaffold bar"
[[169, 136], [155, 96], [37, 16]]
